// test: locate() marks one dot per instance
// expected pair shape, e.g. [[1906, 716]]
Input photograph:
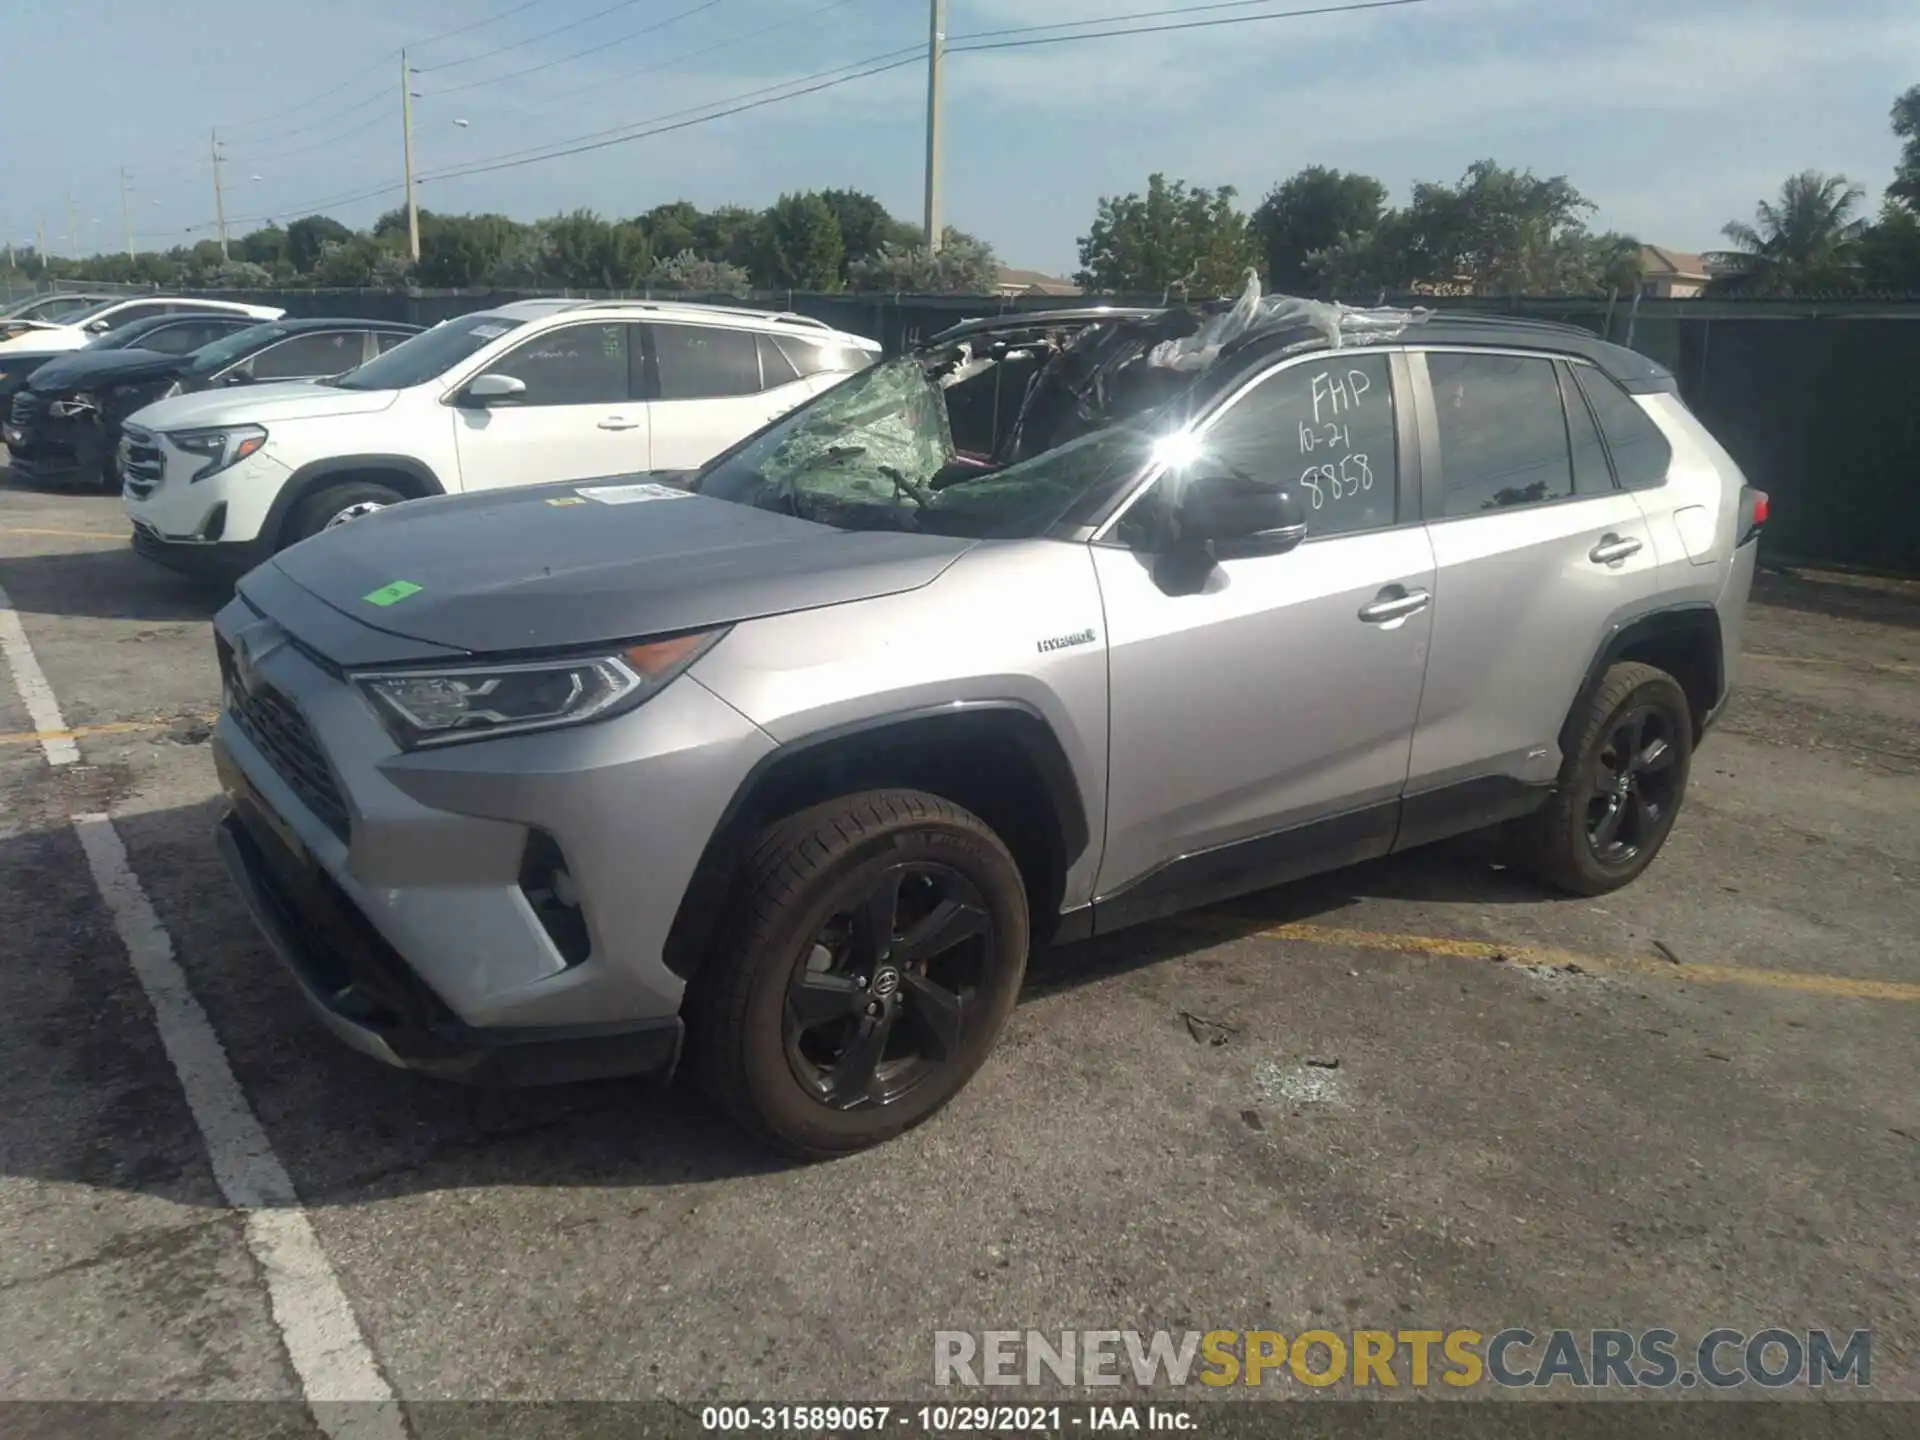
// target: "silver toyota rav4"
[[1060, 623]]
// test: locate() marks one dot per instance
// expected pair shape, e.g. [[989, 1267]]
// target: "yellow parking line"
[[1887, 665], [70, 534], [1797, 980], [115, 727]]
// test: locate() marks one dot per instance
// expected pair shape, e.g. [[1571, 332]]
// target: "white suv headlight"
[[472, 702], [223, 445]]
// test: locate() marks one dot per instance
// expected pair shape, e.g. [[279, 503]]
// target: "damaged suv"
[[1061, 623]]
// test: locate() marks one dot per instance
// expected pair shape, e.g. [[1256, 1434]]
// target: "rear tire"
[[337, 504], [876, 949], [1620, 787]]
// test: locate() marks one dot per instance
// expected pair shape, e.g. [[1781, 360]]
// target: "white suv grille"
[[141, 463]]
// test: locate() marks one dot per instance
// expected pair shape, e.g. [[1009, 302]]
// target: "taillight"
[[1759, 508], [1753, 506]]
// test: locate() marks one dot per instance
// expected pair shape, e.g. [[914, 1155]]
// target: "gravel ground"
[[1417, 1094]]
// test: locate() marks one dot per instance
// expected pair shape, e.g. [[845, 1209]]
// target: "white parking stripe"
[[316, 1322], [339, 1379], [42, 708]]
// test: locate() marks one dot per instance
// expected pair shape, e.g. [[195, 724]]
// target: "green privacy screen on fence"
[[1819, 401]]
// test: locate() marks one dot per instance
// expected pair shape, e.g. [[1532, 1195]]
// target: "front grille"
[[141, 463], [26, 408], [280, 732]]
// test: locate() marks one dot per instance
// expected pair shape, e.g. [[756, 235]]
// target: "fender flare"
[[316, 473], [1694, 618]]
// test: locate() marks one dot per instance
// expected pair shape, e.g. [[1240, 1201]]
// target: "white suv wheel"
[[353, 512]]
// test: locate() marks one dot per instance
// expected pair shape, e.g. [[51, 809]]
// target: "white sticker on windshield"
[[631, 494], [488, 332]]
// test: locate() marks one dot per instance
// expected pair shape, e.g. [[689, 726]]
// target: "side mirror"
[[492, 389], [1239, 518], [236, 377], [97, 327]]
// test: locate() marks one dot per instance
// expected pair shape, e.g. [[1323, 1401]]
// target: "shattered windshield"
[[1006, 428], [878, 452]]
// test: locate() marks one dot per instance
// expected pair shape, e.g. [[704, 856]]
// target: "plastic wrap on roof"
[[1254, 314]]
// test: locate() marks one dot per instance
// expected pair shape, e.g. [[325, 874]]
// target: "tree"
[[262, 247], [963, 265], [865, 225], [348, 264], [1189, 241], [673, 228], [1805, 240], [306, 237], [590, 254], [688, 272], [800, 245], [461, 251], [731, 233], [1314, 210], [1890, 251], [1498, 232], [1906, 173]]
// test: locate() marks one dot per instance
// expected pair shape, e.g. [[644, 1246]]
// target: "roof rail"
[[791, 317], [1495, 317]]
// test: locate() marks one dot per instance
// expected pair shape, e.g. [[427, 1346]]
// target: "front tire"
[[337, 505], [1620, 787], [876, 951]]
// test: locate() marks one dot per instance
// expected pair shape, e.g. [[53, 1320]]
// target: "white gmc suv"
[[535, 391]]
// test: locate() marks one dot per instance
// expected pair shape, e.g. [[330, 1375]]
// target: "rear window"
[[820, 357], [1640, 452]]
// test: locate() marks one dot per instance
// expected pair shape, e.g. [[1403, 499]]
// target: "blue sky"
[[1674, 117]]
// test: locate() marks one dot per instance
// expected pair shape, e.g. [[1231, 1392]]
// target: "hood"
[[92, 368], [262, 405], [543, 567], [55, 337], [21, 363]]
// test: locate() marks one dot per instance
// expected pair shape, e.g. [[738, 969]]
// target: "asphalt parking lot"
[[1418, 1093]]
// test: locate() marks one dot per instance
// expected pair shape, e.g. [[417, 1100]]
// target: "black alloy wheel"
[[888, 992], [1634, 783]]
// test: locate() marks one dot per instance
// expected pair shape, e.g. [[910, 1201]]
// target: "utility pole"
[[40, 240], [126, 215], [219, 195], [73, 229], [406, 127], [936, 64]]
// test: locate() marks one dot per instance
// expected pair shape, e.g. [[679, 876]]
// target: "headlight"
[[472, 702], [223, 445]]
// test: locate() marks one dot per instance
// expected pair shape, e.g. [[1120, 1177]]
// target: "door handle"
[[1395, 603], [619, 422], [1611, 548]]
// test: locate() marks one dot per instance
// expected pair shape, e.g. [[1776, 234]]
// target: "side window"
[[180, 339], [1325, 428], [775, 368], [1640, 452], [302, 357], [385, 340], [1503, 434], [132, 313], [1591, 473], [813, 357], [699, 362], [576, 365]]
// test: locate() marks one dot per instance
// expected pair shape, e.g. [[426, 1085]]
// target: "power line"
[[672, 60], [472, 25], [1342, 9], [383, 96], [519, 44], [320, 144], [1115, 19], [914, 56], [579, 54]]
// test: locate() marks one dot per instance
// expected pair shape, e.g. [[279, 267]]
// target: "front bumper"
[[365, 994], [394, 884], [200, 559]]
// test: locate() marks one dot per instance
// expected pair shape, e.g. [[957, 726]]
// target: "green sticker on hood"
[[391, 593]]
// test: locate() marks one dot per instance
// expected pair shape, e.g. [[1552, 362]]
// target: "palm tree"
[[1803, 241]]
